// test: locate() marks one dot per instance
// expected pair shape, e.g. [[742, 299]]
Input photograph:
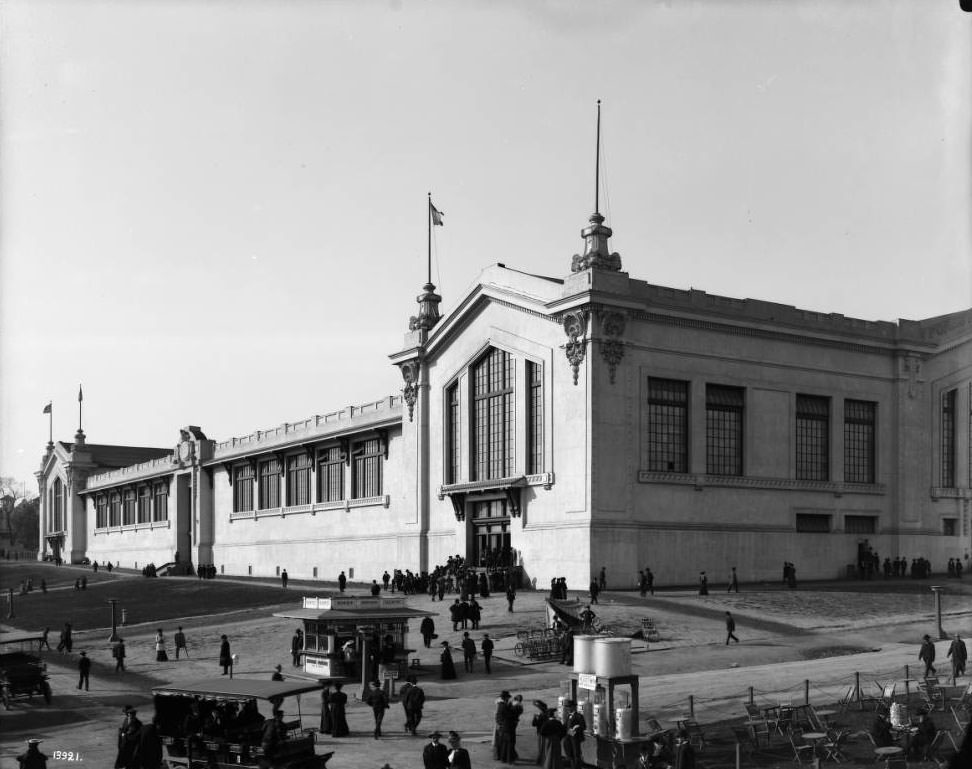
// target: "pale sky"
[[214, 213]]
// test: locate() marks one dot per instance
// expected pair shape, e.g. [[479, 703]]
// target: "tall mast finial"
[[597, 163]]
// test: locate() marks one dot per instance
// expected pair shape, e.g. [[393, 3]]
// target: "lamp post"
[[937, 590], [113, 638]]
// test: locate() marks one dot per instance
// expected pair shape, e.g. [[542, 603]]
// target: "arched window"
[[494, 423]]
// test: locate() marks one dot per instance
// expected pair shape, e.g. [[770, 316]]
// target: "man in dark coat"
[[225, 657], [342, 581], [927, 655], [118, 650], [455, 615], [180, 643], [487, 647], [448, 667], [32, 758], [475, 613], [378, 701], [148, 752], [468, 652], [413, 701], [326, 726], [730, 629], [435, 755], [128, 740], [510, 597], [575, 727], [427, 629], [296, 647], [959, 654], [84, 670]]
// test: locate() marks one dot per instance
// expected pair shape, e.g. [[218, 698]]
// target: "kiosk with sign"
[[355, 636]]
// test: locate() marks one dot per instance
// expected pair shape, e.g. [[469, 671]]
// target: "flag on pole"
[[80, 396], [436, 215], [47, 408]]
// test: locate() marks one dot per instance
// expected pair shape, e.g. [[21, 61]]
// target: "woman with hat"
[[339, 722], [160, 653], [539, 719], [552, 733], [448, 667], [458, 755]]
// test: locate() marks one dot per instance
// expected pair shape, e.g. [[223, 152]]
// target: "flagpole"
[[429, 215], [597, 162], [50, 424], [80, 400]]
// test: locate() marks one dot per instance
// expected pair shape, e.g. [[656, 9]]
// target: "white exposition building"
[[571, 423]]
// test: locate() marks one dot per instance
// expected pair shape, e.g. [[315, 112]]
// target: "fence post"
[[692, 705], [857, 688], [750, 695], [907, 683], [806, 691]]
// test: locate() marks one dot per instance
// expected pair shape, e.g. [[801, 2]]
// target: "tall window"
[[859, 431], [812, 438], [948, 439], [144, 504], [101, 511], [269, 483], [534, 417], [330, 475], [667, 425], [57, 514], [114, 509], [299, 480], [724, 430], [367, 469], [243, 488], [128, 508], [493, 420], [453, 451], [160, 510]]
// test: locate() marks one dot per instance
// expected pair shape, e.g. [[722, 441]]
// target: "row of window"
[[144, 504], [493, 419], [668, 432], [948, 468], [271, 483], [820, 523]]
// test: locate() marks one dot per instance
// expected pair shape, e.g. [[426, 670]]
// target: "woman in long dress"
[[160, 655], [448, 667], [539, 719], [552, 733], [326, 723], [339, 721]]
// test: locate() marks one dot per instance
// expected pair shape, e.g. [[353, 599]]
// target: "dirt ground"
[[812, 642]]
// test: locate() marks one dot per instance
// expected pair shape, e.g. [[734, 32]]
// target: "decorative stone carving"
[[612, 350], [911, 364], [410, 373], [612, 323], [428, 316], [596, 252], [575, 326]]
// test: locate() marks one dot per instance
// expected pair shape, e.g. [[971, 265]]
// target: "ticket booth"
[[356, 637]]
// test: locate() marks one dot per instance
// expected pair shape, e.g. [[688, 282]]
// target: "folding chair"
[[695, 734], [963, 724], [757, 722], [847, 699], [886, 696], [802, 752], [930, 752], [932, 694], [834, 744], [745, 739]]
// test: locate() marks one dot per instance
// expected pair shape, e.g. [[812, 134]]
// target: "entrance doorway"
[[491, 533]]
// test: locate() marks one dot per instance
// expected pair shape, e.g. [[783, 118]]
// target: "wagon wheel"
[[519, 650], [47, 692]]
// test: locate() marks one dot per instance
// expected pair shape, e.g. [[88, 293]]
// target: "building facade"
[[566, 424]]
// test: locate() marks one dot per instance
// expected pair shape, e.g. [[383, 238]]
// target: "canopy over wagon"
[[218, 722]]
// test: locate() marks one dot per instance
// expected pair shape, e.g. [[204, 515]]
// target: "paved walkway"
[[786, 640]]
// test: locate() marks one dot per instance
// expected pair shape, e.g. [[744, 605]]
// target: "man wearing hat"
[[435, 755], [379, 704], [575, 726], [927, 655], [84, 670], [128, 739], [32, 758]]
